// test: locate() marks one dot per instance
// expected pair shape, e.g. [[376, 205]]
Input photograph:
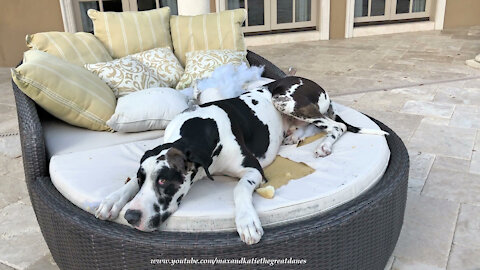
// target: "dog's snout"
[[133, 216]]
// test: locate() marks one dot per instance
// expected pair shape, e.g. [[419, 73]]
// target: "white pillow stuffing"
[[147, 109]]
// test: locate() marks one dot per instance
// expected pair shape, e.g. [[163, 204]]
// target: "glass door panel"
[[234, 4], [146, 4], [377, 8], [419, 5], [289, 14], [284, 11], [140, 5], [86, 24], [80, 7], [258, 14], [371, 10], [361, 8], [410, 9], [384, 10], [266, 15], [403, 6], [169, 3], [303, 10], [112, 5]]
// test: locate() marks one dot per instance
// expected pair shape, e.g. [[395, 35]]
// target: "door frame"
[[255, 28], [390, 12], [320, 15], [437, 12], [369, 18], [276, 26], [410, 15]]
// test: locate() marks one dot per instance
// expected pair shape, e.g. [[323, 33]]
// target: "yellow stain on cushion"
[[282, 170]]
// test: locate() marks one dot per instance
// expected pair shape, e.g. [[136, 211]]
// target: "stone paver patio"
[[417, 83]]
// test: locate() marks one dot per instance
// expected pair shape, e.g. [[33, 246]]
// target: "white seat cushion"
[[358, 161], [62, 138]]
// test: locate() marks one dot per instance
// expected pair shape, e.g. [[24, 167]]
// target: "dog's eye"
[[162, 181]]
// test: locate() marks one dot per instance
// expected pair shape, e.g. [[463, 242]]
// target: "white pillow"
[[147, 109]]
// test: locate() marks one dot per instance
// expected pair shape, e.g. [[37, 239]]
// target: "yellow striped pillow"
[[124, 33], [79, 48], [67, 91], [214, 31]]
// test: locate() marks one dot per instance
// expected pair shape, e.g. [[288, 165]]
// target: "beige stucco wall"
[[462, 13], [21, 17], [337, 18]]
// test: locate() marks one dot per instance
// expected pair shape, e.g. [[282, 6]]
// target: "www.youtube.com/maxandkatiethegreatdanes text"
[[239, 261]]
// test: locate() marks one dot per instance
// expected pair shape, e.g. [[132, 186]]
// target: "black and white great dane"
[[235, 137]]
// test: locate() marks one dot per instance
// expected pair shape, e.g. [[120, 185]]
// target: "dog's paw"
[[110, 207], [249, 227], [292, 139], [323, 150]]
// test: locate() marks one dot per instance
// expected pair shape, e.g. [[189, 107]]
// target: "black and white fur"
[[235, 137], [305, 101]]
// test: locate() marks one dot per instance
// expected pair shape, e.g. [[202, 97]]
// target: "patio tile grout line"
[[428, 174], [8, 265], [407, 86], [453, 236]]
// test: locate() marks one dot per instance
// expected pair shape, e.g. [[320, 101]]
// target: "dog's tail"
[[354, 129]]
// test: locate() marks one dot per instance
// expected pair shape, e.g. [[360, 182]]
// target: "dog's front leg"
[[248, 224], [110, 207]]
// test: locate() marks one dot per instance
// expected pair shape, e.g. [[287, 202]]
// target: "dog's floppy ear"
[[177, 159], [201, 158], [155, 151]]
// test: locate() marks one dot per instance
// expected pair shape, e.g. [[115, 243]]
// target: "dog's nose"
[[133, 216]]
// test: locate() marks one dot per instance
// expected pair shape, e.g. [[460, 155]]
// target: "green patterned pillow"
[[200, 64], [65, 90]]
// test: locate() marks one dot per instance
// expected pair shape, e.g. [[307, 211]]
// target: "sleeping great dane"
[[235, 137]]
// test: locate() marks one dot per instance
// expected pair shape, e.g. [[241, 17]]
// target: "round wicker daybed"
[[360, 234]]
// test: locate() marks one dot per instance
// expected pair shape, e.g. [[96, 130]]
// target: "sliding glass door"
[[407, 9], [267, 15], [372, 10], [385, 10], [288, 14], [258, 14]]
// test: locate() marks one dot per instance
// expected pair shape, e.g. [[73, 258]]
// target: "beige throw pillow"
[[125, 33], [163, 62], [79, 48], [126, 75], [214, 31], [200, 64], [65, 90]]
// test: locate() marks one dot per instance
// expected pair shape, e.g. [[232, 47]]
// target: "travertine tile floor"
[[417, 83]]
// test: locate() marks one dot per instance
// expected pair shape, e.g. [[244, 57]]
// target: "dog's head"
[[165, 176]]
